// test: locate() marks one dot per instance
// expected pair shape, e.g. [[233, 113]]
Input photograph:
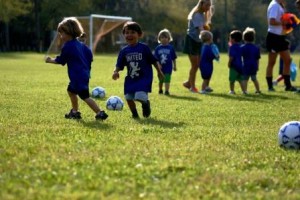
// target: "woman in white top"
[[277, 43]]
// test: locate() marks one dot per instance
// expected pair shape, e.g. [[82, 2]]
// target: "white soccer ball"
[[98, 92], [114, 103], [289, 135]]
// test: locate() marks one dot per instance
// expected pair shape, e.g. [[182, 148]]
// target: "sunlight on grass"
[[215, 146]]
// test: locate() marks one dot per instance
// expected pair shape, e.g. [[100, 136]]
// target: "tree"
[[10, 10]]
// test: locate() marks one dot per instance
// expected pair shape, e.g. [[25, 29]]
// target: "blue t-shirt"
[[236, 54], [206, 61], [138, 59], [251, 56], [78, 58], [165, 54]]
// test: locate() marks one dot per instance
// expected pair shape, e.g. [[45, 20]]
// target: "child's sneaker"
[[101, 115], [203, 92], [231, 92], [146, 108], [186, 85], [292, 89], [160, 92], [271, 89], [208, 89], [258, 92], [194, 90], [167, 93], [73, 115]]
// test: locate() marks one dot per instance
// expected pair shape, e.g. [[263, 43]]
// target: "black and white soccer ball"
[[289, 135], [114, 103], [98, 92]]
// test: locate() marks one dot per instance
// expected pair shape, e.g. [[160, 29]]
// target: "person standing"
[[166, 55], [277, 43], [251, 56], [197, 21]]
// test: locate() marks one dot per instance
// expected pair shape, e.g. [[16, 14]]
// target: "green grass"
[[193, 146]]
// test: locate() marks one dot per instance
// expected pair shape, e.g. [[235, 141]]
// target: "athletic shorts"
[[234, 75], [167, 79], [276, 43], [83, 94], [192, 47], [253, 77], [137, 96]]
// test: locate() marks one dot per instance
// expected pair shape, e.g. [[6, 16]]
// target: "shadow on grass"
[[250, 97], [162, 123], [97, 124], [184, 97]]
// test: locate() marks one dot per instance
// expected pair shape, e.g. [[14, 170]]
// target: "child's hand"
[[115, 75], [47, 59], [160, 75]]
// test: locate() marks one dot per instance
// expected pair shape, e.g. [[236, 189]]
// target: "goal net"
[[103, 33]]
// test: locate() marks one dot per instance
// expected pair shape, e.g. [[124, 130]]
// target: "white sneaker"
[[208, 89], [231, 92], [203, 92]]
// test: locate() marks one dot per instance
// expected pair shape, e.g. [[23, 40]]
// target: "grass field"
[[215, 146]]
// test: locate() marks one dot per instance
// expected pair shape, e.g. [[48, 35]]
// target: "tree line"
[[27, 24]]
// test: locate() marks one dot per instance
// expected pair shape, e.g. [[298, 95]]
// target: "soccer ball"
[[114, 103], [98, 92], [289, 135]]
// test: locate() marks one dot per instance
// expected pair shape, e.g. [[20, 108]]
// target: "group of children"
[[138, 58]]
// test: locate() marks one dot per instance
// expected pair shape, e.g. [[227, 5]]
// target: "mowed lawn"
[[194, 146]]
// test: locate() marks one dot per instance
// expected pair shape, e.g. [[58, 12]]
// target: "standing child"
[[235, 60], [251, 56], [209, 52], [78, 58], [138, 59], [166, 56]]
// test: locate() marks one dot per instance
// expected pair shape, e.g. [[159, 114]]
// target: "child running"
[[251, 56], [78, 58], [165, 54], [138, 59], [209, 52]]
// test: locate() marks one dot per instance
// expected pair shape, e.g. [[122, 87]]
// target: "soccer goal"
[[103, 32]]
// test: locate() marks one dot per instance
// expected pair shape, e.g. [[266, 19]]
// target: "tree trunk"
[[7, 43]]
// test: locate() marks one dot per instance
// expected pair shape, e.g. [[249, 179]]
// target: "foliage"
[[215, 146], [12, 9]]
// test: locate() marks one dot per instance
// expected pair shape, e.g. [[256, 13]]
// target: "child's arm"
[[50, 60], [229, 62], [174, 65], [160, 74], [116, 75]]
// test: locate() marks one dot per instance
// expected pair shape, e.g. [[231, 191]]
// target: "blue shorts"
[[83, 94]]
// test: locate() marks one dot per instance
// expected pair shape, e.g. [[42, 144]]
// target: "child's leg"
[[142, 97], [167, 83], [231, 86], [74, 101], [132, 106], [167, 86], [92, 104], [160, 86], [256, 84]]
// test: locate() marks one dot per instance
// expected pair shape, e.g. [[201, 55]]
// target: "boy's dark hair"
[[236, 35], [249, 34], [134, 26]]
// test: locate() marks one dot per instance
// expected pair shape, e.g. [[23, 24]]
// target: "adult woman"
[[197, 21], [276, 43]]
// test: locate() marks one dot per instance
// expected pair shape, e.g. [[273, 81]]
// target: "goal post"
[[96, 28]]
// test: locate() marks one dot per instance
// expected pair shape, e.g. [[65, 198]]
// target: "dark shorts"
[[191, 46], [83, 94], [234, 75], [276, 43]]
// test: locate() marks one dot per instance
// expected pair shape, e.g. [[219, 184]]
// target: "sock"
[[269, 81], [134, 113], [287, 81]]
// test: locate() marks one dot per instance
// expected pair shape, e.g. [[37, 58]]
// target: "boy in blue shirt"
[[235, 64], [138, 59]]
